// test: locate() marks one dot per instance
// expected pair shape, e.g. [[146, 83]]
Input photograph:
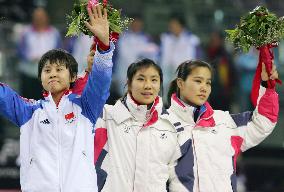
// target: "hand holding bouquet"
[[79, 16], [263, 30]]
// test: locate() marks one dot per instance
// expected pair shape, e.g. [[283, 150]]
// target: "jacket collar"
[[48, 97], [186, 112], [127, 108]]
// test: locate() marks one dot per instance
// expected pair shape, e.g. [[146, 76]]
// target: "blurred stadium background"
[[261, 169]]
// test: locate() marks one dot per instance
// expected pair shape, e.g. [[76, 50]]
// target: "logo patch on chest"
[[45, 121], [69, 118], [163, 136]]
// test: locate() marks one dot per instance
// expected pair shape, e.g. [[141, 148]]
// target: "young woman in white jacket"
[[211, 140], [135, 145]]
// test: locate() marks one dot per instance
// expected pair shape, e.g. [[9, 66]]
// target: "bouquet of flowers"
[[76, 25], [263, 30]]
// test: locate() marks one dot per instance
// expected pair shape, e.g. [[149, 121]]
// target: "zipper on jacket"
[[194, 151], [196, 125], [135, 159], [135, 163], [59, 135]]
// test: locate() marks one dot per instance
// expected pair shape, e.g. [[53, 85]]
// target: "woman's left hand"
[[98, 23], [265, 76]]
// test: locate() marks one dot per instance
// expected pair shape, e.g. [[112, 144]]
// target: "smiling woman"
[[134, 142], [56, 140], [144, 81], [57, 75]]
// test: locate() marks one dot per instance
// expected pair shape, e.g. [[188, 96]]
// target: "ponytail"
[[173, 88], [183, 71]]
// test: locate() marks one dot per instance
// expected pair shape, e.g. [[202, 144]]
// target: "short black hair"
[[142, 64], [179, 17], [59, 56]]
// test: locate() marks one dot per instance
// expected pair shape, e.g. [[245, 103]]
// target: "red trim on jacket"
[[80, 84], [100, 140], [236, 142], [206, 119], [154, 113], [268, 105], [176, 99]]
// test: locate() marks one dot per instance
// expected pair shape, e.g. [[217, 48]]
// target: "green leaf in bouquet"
[[257, 28], [114, 28], [71, 30], [80, 14]]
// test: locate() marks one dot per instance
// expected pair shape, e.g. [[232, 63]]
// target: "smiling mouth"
[[202, 96], [51, 82], [147, 94]]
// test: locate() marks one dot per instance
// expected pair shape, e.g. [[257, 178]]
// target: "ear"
[[180, 83], [128, 86]]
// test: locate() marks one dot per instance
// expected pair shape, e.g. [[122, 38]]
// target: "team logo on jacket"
[[163, 136], [69, 118], [45, 121]]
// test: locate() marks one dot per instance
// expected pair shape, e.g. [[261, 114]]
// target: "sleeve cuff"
[[110, 48]]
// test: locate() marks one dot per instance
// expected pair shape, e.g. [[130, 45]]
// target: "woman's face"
[[196, 89], [145, 85]]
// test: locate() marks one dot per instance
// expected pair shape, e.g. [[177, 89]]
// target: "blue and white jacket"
[[57, 142]]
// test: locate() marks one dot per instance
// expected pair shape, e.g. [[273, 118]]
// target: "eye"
[[46, 70], [140, 79], [59, 69], [155, 80], [197, 80], [208, 83]]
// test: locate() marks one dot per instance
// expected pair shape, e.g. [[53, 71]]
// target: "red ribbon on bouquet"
[[266, 57]]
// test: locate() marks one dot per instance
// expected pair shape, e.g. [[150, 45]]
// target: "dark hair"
[[179, 18], [144, 63], [59, 56], [183, 71]]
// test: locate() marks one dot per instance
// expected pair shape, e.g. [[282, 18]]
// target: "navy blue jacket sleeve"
[[15, 108]]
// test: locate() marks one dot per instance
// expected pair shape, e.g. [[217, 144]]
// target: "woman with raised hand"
[[211, 140], [56, 142]]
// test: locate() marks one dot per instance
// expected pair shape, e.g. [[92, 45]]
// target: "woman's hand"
[[265, 76], [98, 23]]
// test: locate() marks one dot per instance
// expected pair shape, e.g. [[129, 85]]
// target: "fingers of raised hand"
[[99, 11], [264, 74], [87, 25], [274, 74], [105, 13], [90, 13], [263, 67], [92, 53]]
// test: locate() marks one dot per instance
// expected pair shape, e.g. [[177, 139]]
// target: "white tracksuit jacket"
[[210, 147], [136, 148], [57, 142]]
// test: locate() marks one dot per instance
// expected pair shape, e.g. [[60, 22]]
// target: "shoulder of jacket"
[[175, 121], [223, 117], [107, 110], [165, 123]]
